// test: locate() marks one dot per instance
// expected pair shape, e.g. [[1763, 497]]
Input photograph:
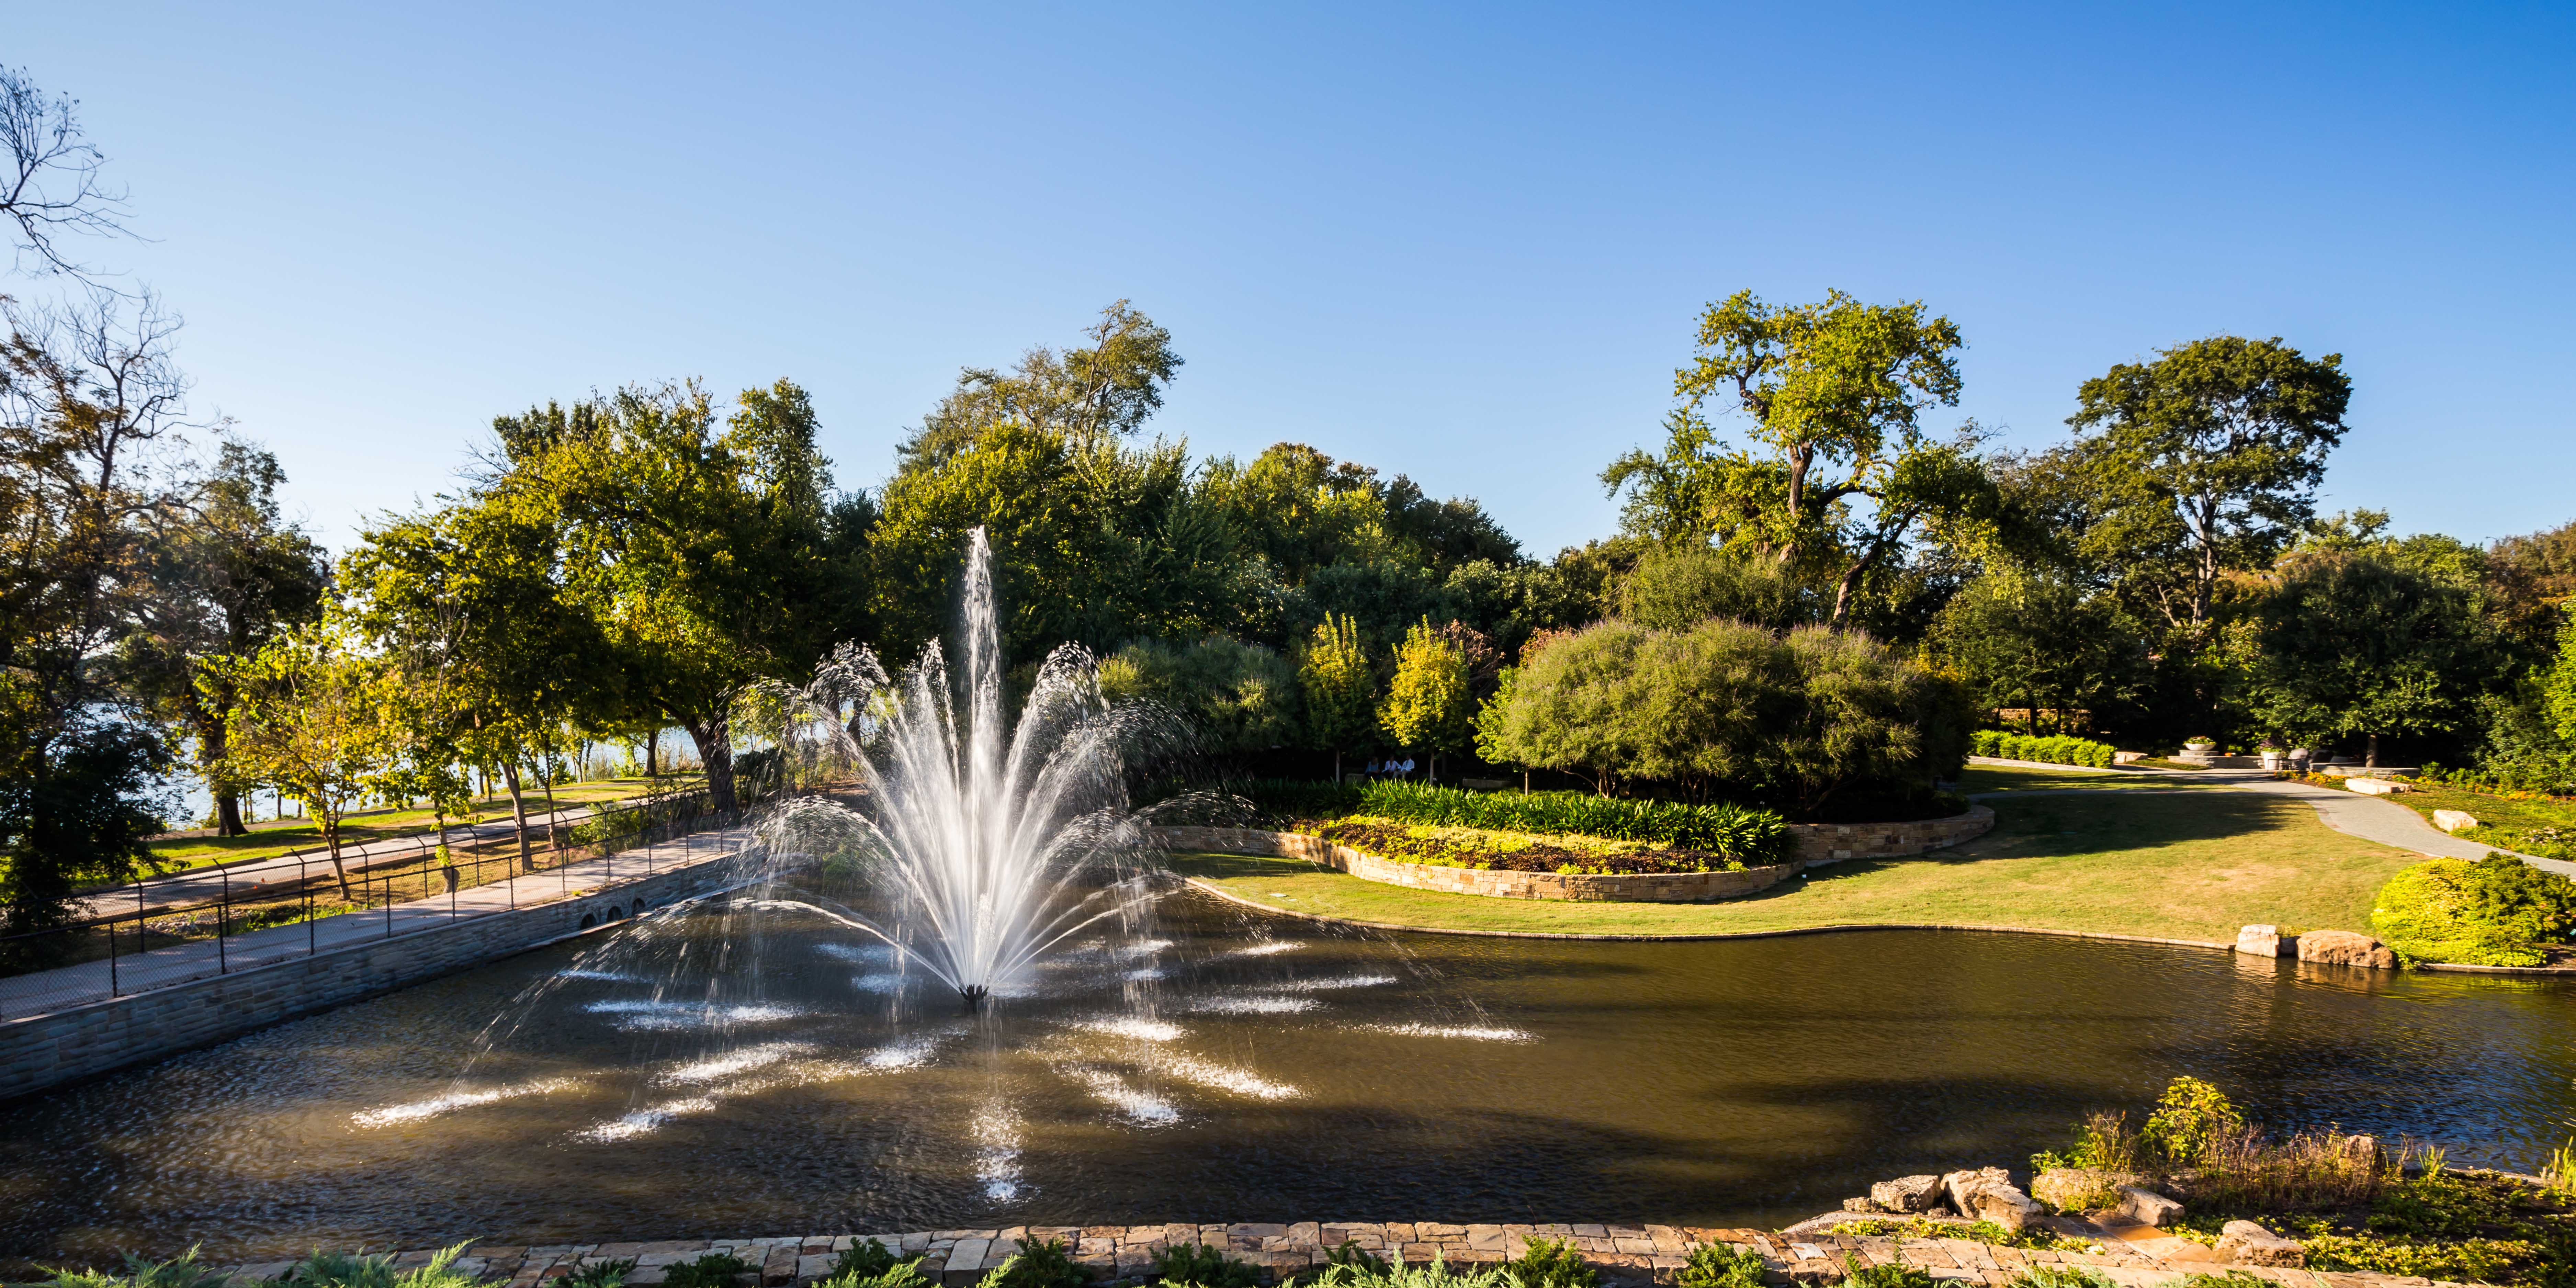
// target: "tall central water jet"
[[996, 838]]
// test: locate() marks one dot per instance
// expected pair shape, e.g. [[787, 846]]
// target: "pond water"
[[784, 1075]]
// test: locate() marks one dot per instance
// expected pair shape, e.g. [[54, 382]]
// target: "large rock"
[[2247, 1244], [2265, 941], [2454, 820], [2078, 1189], [1988, 1194], [1907, 1194], [2345, 948], [2146, 1207], [2374, 786]]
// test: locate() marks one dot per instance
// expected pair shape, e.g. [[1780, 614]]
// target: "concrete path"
[[46, 991], [2371, 818]]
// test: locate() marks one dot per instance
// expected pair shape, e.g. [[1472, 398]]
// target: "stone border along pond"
[[1623, 1254], [1818, 844]]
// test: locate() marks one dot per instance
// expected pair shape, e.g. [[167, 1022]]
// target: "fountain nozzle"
[[973, 995]]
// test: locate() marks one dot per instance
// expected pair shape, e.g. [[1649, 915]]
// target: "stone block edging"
[[1624, 1254], [1818, 843]]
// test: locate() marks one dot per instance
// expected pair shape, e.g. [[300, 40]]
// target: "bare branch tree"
[[51, 184]]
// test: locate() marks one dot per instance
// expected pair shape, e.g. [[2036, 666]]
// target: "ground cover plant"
[[1201, 1266], [2187, 865], [1376, 1273], [1551, 1263], [2498, 911], [2055, 750], [1980, 1231], [182, 1271], [2522, 821], [1038, 1265], [713, 1270], [1720, 1265]]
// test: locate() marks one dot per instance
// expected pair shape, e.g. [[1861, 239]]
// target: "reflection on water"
[[754, 1069]]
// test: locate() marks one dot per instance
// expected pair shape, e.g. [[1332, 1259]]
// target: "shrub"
[[610, 1273], [1551, 1263], [713, 1270], [1885, 1276], [1434, 1273], [2061, 1277], [182, 1271], [2189, 1117], [1038, 1265], [1720, 1265], [1237, 697], [1203, 1265], [1751, 836], [2498, 911], [1790, 720], [359, 1270], [2055, 750], [1351, 1254], [873, 1265]]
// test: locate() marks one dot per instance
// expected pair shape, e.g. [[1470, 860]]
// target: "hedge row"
[[1749, 836], [2054, 750]]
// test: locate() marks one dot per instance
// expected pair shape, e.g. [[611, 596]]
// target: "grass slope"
[[2193, 865], [2502, 820], [1981, 780]]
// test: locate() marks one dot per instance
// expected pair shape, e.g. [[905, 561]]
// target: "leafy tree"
[[231, 573], [2202, 462], [1086, 395], [86, 817], [1679, 586], [705, 552], [2351, 645], [1429, 703], [1340, 690], [1835, 391], [1729, 708], [312, 716], [2017, 637], [1240, 698]]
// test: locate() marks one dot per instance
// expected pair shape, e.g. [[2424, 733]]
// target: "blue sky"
[[1467, 244]]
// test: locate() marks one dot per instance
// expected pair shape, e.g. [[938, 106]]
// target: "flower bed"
[[1493, 849]]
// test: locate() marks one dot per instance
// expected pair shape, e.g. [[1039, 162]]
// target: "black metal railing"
[[182, 926]]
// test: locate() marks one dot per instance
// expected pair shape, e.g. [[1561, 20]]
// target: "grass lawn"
[[268, 839], [2193, 865], [2502, 821], [1984, 779]]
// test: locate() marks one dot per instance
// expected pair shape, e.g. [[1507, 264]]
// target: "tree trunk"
[[715, 747], [331, 841], [653, 756], [2370, 758], [519, 811], [228, 818], [545, 779]]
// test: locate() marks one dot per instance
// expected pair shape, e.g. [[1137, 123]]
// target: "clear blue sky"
[[1467, 244]]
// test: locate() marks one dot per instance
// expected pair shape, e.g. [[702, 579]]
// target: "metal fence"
[[183, 926]]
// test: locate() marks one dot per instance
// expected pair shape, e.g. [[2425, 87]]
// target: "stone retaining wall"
[[1817, 843], [43, 1051], [1624, 1254]]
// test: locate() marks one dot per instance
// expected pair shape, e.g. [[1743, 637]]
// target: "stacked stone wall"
[[43, 1051]]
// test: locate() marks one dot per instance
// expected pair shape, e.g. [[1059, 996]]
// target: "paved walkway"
[[1623, 1254], [41, 992], [2371, 818], [197, 887]]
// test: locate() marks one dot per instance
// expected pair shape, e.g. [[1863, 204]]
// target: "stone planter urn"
[[2273, 759]]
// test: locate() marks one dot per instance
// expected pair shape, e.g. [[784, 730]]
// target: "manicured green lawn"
[[268, 839], [2193, 865], [1981, 779]]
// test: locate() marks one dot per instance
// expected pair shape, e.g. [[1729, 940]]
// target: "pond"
[[757, 1068]]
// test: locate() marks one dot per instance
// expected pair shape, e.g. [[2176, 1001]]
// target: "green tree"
[[1340, 690], [1726, 708], [1836, 392], [2033, 639], [1678, 586], [1104, 391], [1240, 698], [2351, 645], [713, 556], [312, 716], [231, 573], [2203, 462], [1429, 703]]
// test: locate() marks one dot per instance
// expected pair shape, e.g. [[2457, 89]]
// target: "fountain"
[[991, 835]]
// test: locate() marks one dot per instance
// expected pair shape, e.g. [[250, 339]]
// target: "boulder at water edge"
[[2265, 941], [2247, 1244], [1988, 1194], [1907, 1194], [2345, 948], [2146, 1207]]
